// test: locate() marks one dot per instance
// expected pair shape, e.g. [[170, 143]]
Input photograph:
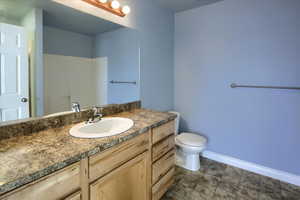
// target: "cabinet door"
[[128, 182]]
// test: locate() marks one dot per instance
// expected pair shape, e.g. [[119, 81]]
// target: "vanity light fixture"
[[115, 4], [112, 6], [126, 10]]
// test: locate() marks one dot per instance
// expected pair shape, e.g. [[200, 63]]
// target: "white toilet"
[[189, 146]]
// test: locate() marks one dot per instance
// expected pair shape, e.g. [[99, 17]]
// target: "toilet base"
[[187, 161]]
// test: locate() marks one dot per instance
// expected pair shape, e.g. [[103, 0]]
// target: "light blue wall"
[[247, 42], [61, 42], [156, 29], [121, 47]]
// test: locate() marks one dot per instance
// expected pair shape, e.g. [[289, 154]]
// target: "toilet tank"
[[177, 120]]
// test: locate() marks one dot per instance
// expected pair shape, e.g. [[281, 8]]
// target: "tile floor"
[[216, 181]]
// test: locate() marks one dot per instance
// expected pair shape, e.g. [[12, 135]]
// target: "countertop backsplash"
[[33, 125]]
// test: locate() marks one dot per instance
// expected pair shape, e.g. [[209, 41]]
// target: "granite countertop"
[[25, 159]]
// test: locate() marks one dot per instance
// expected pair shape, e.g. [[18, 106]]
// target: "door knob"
[[24, 100]]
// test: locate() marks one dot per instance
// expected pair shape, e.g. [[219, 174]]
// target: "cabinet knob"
[[24, 100]]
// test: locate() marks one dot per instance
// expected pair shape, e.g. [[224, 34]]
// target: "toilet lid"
[[191, 139]]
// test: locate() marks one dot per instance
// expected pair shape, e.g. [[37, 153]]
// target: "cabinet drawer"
[[163, 147], [110, 159], [162, 166], [161, 187], [162, 131], [55, 186]]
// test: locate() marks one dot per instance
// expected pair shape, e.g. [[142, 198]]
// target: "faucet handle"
[[95, 115], [95, 110], [75, 107]]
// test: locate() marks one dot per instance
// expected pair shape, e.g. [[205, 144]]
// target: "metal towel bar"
[[234, 85], [125, 82]]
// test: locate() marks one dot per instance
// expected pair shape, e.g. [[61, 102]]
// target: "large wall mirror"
[[52, 55]]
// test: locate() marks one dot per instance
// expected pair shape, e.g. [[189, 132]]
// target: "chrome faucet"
[[96, 117], [75, 107]]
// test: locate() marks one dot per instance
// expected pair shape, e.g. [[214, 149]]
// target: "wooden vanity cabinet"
[[141, 168]]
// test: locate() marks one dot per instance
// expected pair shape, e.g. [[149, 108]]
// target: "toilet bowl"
[[188, 147]]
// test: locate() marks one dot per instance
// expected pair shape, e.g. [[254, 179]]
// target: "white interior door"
[[14, 85]]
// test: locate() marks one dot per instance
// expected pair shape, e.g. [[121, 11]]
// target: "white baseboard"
[[265, 171]]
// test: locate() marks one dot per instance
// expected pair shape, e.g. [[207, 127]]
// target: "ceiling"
[[57, 15], [181, 5], [60, 16]]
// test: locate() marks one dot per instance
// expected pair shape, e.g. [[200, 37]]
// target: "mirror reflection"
[[53, 56]]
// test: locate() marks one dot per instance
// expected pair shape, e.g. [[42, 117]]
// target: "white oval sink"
[[105, 127]]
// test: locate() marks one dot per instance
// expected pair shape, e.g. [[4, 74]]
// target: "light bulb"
[[126, 10], [103, 1], [115, 4]]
